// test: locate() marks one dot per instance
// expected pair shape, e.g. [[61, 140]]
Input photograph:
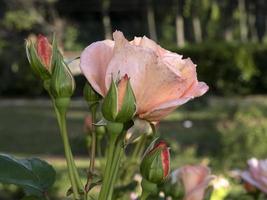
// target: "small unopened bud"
[[39, 54], [90, 95], [62, 82], [119, 104], [155, 166]]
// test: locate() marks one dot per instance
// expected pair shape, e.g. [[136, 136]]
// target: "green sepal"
[[115, 128], [62, 82], [151, 167], [55, 52], [110, 103], [128, 108], [149, 187], [62, 104], [90, 95], [36, 65]]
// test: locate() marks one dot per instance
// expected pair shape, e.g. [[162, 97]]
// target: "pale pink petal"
[[198, 192], [195, 179], [153, 82], [136, 41], [163, 110], [193, 176], [94, 61], [197, 89], [150, 44], [122, 85], [174, 61], [246, 176]]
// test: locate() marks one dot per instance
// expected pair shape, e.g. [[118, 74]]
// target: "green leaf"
[[32, 198], [34, 175]]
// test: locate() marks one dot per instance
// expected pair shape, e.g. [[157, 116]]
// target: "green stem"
[[92, 162], [105, 185], [93, 109], [98, 146], [60, 106], [138, 150], [139, 147], [61, 116], [144, 195], [115, 167], [76, 173]]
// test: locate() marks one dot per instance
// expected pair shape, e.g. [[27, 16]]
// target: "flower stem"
[[115, 166], [134, 159], [144, 195], [114, 152], [75, 180], [93, 150], [105, 187]]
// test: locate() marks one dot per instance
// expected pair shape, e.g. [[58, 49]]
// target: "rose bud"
[[39, 54], [62, 82], [90, 95], [119, 103], [196, 179], [155, 166]]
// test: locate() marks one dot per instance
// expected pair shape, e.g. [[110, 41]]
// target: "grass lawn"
[[29, 126]]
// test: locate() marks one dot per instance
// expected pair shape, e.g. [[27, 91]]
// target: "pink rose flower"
[[195, 179], [161, 80], [256, 174]]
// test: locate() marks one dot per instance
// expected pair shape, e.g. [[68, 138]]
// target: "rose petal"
[[94, 62], [44, 51], [163, 110], [152, 81], [197, 89], [193, 176], [199, 192], [136, 41], [246, 176], [122, 85]]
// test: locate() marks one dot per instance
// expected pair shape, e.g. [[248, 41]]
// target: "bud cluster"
[[48, 63]]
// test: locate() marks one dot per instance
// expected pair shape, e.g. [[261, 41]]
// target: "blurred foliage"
[[237, 66], [244, 135], [229, 69]]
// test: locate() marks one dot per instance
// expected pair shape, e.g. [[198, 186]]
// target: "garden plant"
[[131, 86]]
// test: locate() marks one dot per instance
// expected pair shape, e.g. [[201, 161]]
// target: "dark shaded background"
[[226, 38]]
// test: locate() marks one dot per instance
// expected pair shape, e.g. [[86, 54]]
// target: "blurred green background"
[[227, 39]]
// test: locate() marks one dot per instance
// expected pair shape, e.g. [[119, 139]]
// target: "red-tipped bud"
[[155, 166], [39, 53], [44, 51], [119, 104]]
